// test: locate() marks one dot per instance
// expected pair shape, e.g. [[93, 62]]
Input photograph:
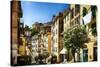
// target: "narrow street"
[[52, 33]]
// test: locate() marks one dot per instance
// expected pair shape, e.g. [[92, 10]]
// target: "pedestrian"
[[76, 57]]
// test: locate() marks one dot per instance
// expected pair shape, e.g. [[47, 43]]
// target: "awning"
[[63, 51], [86, 19]]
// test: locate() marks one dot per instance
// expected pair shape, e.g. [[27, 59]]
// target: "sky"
[[40, 11]]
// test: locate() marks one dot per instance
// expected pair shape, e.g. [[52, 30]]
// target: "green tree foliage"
[[26, 28], [75, 37], [33, 31]]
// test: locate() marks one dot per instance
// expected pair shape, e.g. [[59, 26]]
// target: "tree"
[[33, 32], [74, 38], [26, 28]]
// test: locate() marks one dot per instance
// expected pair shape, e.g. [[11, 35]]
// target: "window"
[[85, 55], [94, 30], [61, 27], [93, 9], [20, 41], [95, 53], [84, 11], [56, 31], [21, 26], [56, 40], [57, 21], [77, 9], [72, 13], [77, 20], [68, 17], [55, 49], [72, 23], [65, 20]]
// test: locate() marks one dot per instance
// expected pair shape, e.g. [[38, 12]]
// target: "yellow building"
[[83, 15], [47, 38], [22, 46], [71, 17], [53, 38], [57, 37], [66, 20], [49, 42], [44, 40], [66, 25], [90, 12], [75, 15]]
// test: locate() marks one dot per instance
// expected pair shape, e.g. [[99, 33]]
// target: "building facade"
[[16, 14], [90, 12], [78, 15], [57, 37], [34, 48]]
